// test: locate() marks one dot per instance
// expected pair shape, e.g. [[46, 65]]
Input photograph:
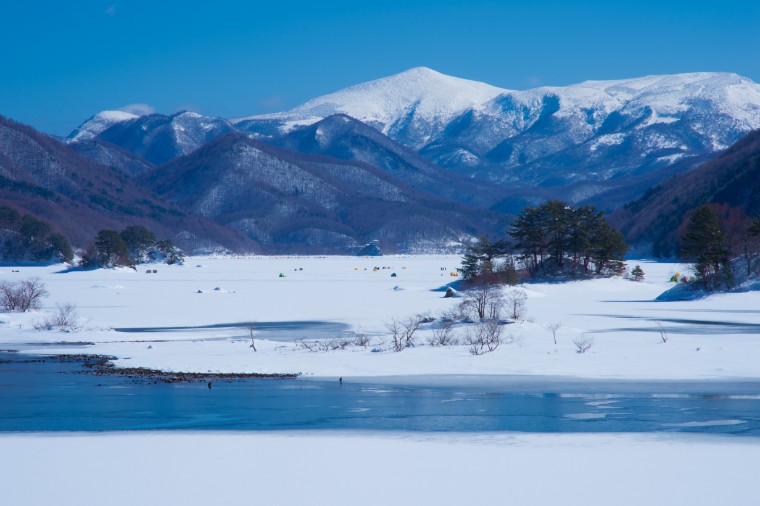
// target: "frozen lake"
[[49, 395]]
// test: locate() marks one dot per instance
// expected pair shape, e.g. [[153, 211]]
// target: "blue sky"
[[64, 61]]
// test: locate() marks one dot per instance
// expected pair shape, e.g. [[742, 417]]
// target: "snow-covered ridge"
[[433, 97], [99, 123], [418, 104]]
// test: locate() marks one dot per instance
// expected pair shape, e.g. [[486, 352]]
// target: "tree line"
[[26, 238], [720, 242], [132, 246], [550, 240]]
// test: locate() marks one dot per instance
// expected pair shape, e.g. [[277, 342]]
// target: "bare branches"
[[23, 295], [484, 299], [65, 319], [443, 334], [484, 337], [516, 303], [250, 327], [663, 332], [402, 331], [583, 344], [553, 328]]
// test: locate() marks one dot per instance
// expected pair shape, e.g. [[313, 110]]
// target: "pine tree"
[[637, 273], [706, 245], [111, 249]]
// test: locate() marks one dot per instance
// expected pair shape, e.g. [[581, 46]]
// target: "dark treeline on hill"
[[723, 245], [548, 241], [132, 246], [656, 221], [24, 238]]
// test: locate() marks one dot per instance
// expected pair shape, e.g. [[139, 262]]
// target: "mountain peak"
[[101, 122], [427, 96]]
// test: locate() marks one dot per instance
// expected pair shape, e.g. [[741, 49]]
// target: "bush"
[[637, 273], [485, 337], [583, 344], [23, 295], [516, 303], [66, 318], [402, 331], [443, 334]]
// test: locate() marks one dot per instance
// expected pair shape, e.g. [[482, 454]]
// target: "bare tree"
[[484, 298], [250, 327], [516, 303], [8, 296], [65, 318], [663, 333], [553, 328], [306, 345], [402, 331], [583, 344], [443, 334], [484, 337], [361, 339], [23, 295]]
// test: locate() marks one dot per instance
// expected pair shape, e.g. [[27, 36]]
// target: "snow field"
[[369, 469], [712, 338]]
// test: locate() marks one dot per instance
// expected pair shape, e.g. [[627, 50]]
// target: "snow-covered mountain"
[[97, 124], [290, 201], [412, 106], [155, 137], [582, 140], [598, 141]]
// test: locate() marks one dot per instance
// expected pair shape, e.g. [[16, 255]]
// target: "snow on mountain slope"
[[101, 122], [159, 138], [420, 97], [662, 99]]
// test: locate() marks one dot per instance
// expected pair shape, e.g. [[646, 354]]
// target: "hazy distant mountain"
[[41, 176], [295, 202], [652, 222]]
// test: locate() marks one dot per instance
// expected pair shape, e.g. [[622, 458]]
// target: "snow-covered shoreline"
[[708, 339]]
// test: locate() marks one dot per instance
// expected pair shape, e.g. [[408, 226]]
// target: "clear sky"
[[63, 61]]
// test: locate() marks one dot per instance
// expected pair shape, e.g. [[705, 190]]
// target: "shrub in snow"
[[516, 303], [23, 295], [583, 344], [484, 337], [66, 318], [443, 334], [637, 273], [361, 340], [402, 331]]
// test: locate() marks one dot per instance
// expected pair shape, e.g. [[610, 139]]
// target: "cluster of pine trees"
[[132, 246], [24, 238], [553, 239], [715, 238]]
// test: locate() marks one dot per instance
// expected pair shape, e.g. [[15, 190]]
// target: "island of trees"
[[552, 240], [132, 246]]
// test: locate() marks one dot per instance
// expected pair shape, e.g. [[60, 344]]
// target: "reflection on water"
[[48, 395]]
